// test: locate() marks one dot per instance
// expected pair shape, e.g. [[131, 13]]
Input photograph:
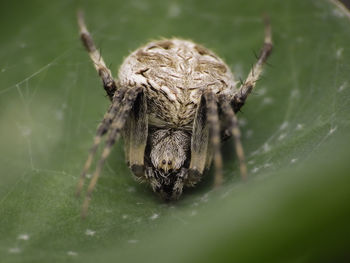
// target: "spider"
[[173, 102]]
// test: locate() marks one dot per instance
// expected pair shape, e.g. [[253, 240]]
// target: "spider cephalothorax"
[[173, 101], [169, 149], [167, 171]]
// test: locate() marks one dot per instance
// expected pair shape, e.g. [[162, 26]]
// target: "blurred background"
[[345, 3], [295, 131]]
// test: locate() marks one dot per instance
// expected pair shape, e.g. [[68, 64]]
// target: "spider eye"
[[163, 162], [170, 162]]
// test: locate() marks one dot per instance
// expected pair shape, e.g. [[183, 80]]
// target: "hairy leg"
[[101, 130], [214, 132], [135, 136], [114, 134], [233, 129], [206, 129], [104, 72], [199, 144], [254, 74]]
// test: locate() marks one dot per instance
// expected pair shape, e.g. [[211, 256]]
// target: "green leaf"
[[296, 126]]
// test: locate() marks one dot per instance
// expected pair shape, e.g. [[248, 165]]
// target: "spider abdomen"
[[175, 73]]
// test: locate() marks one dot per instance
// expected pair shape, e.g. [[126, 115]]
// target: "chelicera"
[[173, 103]]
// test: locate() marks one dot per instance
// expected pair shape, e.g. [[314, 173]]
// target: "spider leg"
[[150, 175], [114, 134], [233, 128], [101, 130], [104, 72], [199, 144], [206, 129], [135, 136], [254, 74], [214, 132]]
